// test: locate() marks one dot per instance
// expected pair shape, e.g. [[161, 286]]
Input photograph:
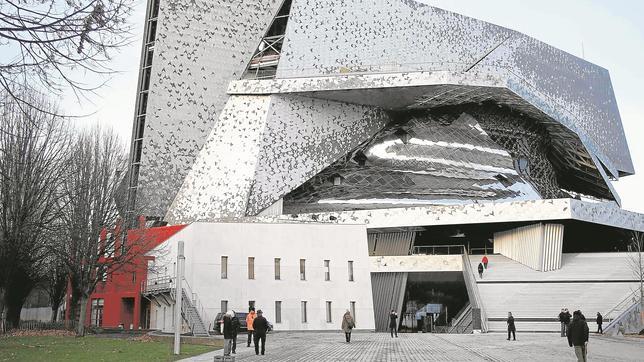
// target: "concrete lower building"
[[302, 276]]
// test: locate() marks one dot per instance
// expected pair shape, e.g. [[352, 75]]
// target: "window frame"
[[224, 267]]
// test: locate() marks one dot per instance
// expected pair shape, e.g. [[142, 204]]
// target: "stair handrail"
[[461, 314], [470, 279], [630, 297], [624, 314], [195, 303]]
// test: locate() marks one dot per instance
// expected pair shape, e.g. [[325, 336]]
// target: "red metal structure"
[[117, 301]]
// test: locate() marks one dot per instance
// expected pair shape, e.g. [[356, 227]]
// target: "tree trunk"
[[54, 312], [80, 330], [3, 315]]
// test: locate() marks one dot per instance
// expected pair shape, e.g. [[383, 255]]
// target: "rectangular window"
[[302, 269], [133, 278], [350, 270], [304, 319], [278, 311], [328, 311], [327, 270], [251, 304], [224, 306], [97, 312], [224, 267], [277, 269], [251, 267], [352, 309]]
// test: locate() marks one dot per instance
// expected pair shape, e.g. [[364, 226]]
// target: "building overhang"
[[573, 149], [604, 213]]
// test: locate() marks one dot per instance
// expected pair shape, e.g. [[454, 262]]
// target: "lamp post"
[[181, 259]]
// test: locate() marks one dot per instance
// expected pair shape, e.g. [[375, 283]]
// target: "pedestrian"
[[228, 333], [393, 325], [481, 270], [578, 336], [260, 325], [511, 328], [600, 320], [234, 323], [485, 261], [567, 319], [249, 325], [347, 325], [562, 320]]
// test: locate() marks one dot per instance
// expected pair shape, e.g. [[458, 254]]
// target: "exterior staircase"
[[462, 323], [192, 312]]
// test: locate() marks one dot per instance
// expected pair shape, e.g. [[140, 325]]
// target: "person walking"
[[393, 325], [481, 270], [484, 261], [511, 328], [562, 320], [347, 325], [600, 321], [578, 336], [567, 319], [228, 333], [249, 325], [260, 325], [234, 323]]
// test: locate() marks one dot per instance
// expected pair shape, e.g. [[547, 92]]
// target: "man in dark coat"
[[480, 270], [260, 325], [600, 321], [562, 320], [511, 328], [393, 325], [228, 333], [578, 336], [234, 323]]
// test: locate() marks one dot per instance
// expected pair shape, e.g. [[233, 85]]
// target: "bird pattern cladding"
[[201, 45], [264, 147], [327, 37]]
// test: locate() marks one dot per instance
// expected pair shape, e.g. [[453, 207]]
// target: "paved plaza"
[[308, 346]]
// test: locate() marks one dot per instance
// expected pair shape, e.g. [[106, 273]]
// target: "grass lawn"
[[91, 348]]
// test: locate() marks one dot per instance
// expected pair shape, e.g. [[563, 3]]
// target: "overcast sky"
[[612, 34]]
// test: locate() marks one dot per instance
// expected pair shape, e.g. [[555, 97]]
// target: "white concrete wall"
[[205, 243], [537, 246], [416, 263], [42, 314]]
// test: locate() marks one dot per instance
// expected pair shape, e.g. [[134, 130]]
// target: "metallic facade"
[[492, 115]]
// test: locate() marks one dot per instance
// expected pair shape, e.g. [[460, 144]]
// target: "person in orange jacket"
[[250, 318], [484, 260]]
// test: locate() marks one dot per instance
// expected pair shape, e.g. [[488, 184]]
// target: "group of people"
[[256, 325], [482, 265]]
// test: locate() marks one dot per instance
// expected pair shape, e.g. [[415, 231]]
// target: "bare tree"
[[91, 190], [33, 145], [54, 44], [55, 282]]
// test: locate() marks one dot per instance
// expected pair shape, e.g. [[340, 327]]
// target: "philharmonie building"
[[319, 156]]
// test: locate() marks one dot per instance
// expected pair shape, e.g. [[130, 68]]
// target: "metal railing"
[[624, 304], [195, 301], [189, 299], [473, 292], [438, 250]]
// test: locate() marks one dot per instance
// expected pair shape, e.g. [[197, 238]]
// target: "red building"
[[117, 300]]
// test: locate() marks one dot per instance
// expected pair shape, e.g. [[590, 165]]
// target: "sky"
[[610, 32]]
